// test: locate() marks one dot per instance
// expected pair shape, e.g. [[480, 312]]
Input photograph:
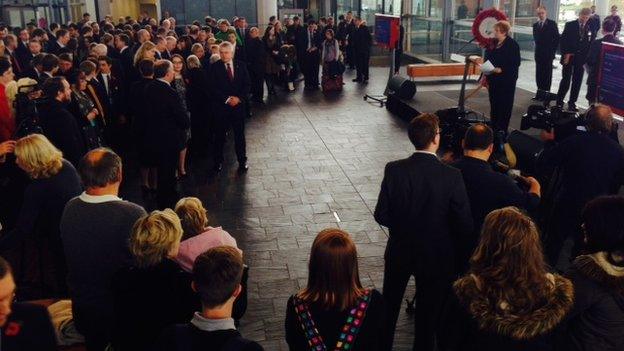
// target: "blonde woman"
[[154, 292], [147, 51], [198, 236], [54, 182]]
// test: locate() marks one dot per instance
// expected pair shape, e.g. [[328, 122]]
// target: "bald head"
[[478, 137], [100, 168], [600, 119]]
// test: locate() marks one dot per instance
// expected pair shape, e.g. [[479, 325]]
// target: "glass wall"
[[424, 29], [369, 9]]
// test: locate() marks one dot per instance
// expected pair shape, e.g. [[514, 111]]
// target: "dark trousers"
[[234, 118], [311, 68], [361, 64], [501, 105], [257, 85], [543, 73], [574, 72], [431, 292], [350, 56], [166, 194]]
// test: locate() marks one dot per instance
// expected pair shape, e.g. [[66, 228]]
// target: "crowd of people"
[[493, 270]]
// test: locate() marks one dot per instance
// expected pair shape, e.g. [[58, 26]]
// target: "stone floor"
[[315, 161]]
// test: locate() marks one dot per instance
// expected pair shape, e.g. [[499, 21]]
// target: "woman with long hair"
[[508, 300], [596, 322], [334, 309], [179, 84], [147, 51], [332, 62], [272, 44]]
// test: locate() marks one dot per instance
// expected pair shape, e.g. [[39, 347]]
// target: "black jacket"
[[589, 165], [256, 56], [546, 40], [470, 322], [572, 42], [424, 204], [221, 87], [168, 118], [330, 323], [488, 190], [596, 321], [507, 58], [28, 327], [61, 127], [361, 39], [314, 40], [188, 337], [147, 300]]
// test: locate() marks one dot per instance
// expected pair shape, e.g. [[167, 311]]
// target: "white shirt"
[[426, 152], [98, 199], [105, 78]]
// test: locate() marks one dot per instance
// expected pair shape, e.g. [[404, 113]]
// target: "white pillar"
[[265, 9], [602, 8]]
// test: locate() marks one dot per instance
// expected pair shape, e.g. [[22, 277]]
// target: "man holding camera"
[[587, 165], [487, 189]]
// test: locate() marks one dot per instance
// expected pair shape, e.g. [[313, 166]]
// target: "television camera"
[[551, 118], [27, 102]]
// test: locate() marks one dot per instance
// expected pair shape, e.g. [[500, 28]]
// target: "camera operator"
[[58, 124], [488, 189], [586, 165]]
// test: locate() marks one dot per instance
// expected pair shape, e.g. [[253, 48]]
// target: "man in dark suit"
[[546, 38], [423, 203], [168, 120], [361, 41], [114, 103], [593, 58], [22, 52], [588, 165], [24, 326], [58, 124], [575, 42], [594, 21], [487, 189], [59, 45], [10, 44], [309, 51], [126, 60], [229, 85], [350, 28]]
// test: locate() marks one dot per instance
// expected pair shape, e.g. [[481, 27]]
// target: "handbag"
[[349, 331]]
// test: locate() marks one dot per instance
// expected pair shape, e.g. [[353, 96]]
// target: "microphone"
[[512, 173]]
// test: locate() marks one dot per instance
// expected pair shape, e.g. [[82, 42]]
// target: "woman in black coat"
[[508, 300], [596, 322], [54, 181], [154, 292], [334, 301], [505, 56]]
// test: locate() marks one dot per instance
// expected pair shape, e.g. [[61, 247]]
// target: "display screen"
[[611, 77]]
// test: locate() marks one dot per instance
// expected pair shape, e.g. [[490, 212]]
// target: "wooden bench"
[[420, 70]]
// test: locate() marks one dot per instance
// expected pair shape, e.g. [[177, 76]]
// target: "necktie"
[[541, 24], [229, 72]]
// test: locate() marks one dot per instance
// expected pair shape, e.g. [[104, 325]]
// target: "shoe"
[[356, 80], [365, 81], [572, 107], [243, 167], [535, 98], [218, 167]]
